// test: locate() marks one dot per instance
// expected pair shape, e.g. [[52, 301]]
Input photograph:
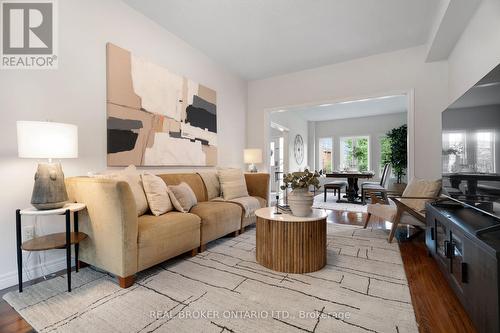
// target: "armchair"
[[407, 209]]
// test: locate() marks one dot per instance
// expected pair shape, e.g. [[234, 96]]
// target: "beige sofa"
[[123, 244]]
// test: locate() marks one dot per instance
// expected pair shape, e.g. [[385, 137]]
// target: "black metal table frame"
[[67, 214]]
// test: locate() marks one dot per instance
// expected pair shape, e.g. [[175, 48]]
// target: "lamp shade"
[[40, 139], [252, 155]]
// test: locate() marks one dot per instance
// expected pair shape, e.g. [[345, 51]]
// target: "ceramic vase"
[[301, 202]]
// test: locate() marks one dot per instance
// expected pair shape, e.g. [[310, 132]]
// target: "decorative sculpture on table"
[[156, 117]]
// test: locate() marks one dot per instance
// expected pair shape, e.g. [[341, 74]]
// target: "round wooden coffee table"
[[291, 244]]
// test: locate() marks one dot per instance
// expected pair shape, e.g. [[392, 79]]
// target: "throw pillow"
[[133, 177], [420, 188], [183, 197], [232, 183], [212, 184], [157, 194]]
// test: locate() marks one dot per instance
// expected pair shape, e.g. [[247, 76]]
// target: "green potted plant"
[[300, 199], [397, 156]]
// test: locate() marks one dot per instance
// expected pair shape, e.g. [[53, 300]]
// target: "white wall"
[[375, 75], [76, 93], [296, 125], [477, 51], [374, 127]]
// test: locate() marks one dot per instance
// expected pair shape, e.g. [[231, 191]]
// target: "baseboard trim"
[[9, 279]]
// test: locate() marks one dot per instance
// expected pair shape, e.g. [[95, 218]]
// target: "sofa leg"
[[126, 282], [194, 252], [80, 264], [202, 248], [242, 230], [236, 233]]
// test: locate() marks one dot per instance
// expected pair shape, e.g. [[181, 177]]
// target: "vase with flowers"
[[301, 199]]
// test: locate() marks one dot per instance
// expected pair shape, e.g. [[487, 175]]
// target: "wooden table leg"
[[19, 251], [350, 189], [356, 188], [68, 248]]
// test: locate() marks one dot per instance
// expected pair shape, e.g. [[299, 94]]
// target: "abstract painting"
[[156, 117]]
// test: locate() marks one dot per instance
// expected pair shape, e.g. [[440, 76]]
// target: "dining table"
[[352, 182]]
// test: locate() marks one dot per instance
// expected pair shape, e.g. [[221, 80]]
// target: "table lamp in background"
[[40, 139], [252, 156]]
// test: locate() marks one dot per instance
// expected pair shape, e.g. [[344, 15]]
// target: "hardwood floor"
[[436, 307]]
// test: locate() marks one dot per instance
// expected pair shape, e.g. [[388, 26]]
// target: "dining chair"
[[376, 186], [407, 209], [336, 186]]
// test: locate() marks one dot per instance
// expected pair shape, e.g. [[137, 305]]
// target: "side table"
[[62, 240], [291, 244]]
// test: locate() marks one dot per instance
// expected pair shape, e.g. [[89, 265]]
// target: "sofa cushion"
[[388, 213], [157, 194], [262, 201], [166, 236], [232, 183], [192, 179], [217, 219], [248, 204], [182, 197]]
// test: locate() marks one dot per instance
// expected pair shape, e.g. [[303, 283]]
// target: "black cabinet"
[[468, 258]]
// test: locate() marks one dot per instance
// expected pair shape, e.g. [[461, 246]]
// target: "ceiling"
[[352, 109], [262, 38]]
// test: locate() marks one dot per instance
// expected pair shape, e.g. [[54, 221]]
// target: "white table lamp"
[[40, 139], [252, 156]]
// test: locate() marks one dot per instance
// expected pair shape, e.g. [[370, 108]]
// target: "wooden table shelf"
[[52, 241]]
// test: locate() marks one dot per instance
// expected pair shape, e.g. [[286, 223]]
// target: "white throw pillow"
[[157, 194], [183, 197], [232, 183], [133, 178], [421, 188]]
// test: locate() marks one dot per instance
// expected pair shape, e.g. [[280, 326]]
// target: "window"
[[485, 152], [454, 151], [354, 153], [385, 153], [325, 154]]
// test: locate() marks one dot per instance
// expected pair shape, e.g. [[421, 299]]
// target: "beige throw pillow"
[[232, 183], [212, 184], [420, 188], [133, 178], [157, 194], [183, 197]]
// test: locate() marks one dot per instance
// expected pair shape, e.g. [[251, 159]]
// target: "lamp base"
[[252, 168], [49, 191]]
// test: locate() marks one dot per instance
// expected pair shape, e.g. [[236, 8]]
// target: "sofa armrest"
[[258, 185], [110, 221]]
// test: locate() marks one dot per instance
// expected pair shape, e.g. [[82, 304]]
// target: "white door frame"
[[410, 94]]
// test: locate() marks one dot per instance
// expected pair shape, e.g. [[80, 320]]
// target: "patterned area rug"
[[363, 288], [331, 204]]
